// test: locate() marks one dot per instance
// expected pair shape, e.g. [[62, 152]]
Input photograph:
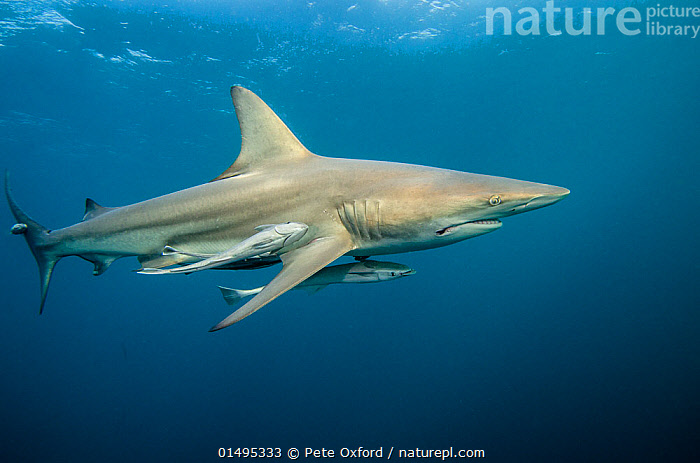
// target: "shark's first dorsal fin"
[[266, 140], [92, 209]]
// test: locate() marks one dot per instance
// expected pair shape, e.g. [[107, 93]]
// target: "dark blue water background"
[[571, 334]]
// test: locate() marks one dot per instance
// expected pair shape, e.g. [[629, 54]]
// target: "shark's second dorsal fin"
[[92, 209], [266, 140]]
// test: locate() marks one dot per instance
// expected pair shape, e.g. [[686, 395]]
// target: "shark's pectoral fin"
[[299, 265]]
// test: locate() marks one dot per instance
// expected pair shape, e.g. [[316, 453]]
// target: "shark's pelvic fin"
[[299, 265], [92, 209], [266, 139], [38, 240]]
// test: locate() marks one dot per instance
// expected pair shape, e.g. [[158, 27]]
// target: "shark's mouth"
[[488, 223]]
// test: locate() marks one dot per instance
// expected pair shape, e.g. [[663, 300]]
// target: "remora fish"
[[367, 271], [354, 207], [268, 240]]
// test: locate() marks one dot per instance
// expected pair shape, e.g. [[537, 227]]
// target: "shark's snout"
[[556, 195], [548, 196]]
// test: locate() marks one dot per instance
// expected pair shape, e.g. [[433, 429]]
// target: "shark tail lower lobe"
[[37, 237]]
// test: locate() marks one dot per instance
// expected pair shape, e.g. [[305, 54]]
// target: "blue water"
[[571, 334]]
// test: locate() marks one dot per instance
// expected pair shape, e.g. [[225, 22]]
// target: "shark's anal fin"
[[101, 262], [265, 138], [299, 265]]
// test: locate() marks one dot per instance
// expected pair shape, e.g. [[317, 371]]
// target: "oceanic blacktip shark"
[[351, 207], [366, 271]]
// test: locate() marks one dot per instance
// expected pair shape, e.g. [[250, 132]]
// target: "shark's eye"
[[393, 274], [495, 200]]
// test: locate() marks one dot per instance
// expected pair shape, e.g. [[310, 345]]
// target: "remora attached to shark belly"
[[269, 240], [354, 207]]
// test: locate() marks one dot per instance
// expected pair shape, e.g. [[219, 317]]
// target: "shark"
[[351, 207]]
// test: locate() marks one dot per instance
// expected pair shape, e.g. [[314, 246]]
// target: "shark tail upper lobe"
[[38, 239]]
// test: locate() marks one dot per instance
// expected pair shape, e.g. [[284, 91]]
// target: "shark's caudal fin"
[[266, 140], [38, 240]]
